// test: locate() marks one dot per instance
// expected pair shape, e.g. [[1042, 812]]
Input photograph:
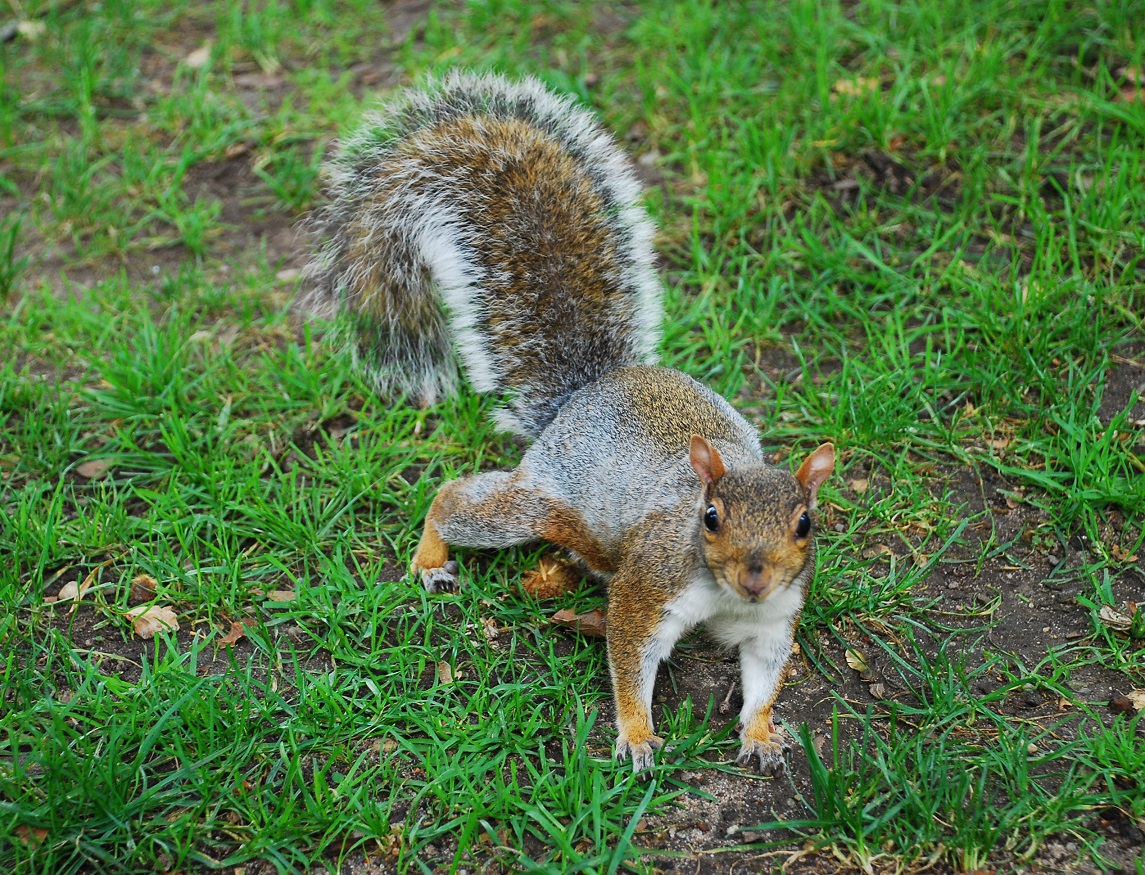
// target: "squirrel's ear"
[[706, 461], [815, 469]]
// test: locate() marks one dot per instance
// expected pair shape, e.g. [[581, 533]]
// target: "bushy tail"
[[495, 218]]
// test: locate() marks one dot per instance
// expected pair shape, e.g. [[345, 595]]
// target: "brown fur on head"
[[756, 523]]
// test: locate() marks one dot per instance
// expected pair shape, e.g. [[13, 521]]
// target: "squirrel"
[[498, 219]]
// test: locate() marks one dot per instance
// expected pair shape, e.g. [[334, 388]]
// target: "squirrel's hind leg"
[[494, 510]]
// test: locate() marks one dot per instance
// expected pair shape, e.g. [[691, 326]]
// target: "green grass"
[[913, 229]]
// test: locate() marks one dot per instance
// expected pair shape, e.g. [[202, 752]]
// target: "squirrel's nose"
[[755, 581]]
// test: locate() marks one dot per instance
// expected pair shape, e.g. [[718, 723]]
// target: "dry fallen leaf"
[[860, 485], [490, 628], [444, 674], [1122, 555], [281, 595], [69, 590], [149, 619], [391, 845], [143, 587], [31, 835], [238, 630], [31, 30], [1114, 619], [236, 150], [856, 660], [94, 469], [199, 57], [592, 624], [858, 85], [1136, 699]]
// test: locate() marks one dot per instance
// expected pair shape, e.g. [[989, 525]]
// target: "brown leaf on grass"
[[391, 845], [236, 150], [95, 468], [1122, 555], [856, 660], [31, 30], [146, 620], [198, 58], [281, 595], [238, 630], [856, 86], [30, 836], [75, 590], [490, 628], [592, 624], [877, 551], [859, 484], [1114, 619], [444, 674], [1132, 74], [143, 587]]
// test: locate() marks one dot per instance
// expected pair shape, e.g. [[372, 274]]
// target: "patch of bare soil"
[[1125, 382]]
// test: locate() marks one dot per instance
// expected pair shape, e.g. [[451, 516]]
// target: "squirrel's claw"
[[770, 754], [641, 753], [443, 579]]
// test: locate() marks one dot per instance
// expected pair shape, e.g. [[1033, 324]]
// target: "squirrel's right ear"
[[706, 461], [815, 469]]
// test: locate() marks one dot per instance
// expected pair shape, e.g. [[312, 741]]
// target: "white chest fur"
[[728, 618]]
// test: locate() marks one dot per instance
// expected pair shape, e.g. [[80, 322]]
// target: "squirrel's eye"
[[803, 527], [711, 518]]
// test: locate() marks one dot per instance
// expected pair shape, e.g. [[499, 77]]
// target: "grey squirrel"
[[497, 219]]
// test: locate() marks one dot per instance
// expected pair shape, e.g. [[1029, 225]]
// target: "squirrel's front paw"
[[641, 752], [443, 579], [769, 753]]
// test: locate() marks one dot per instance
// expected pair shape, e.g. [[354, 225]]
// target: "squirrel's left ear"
[[706, 461], [815, 469]]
